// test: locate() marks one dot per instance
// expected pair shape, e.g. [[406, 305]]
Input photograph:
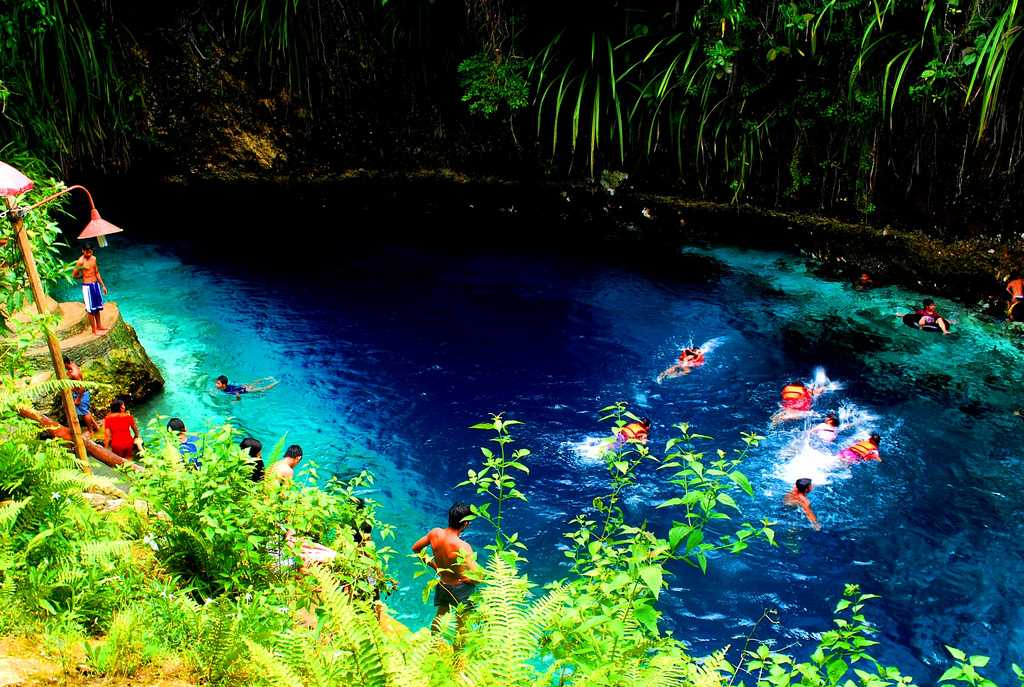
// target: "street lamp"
[[12, 184]]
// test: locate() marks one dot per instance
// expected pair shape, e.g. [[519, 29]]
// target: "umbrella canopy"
[[13, 182]]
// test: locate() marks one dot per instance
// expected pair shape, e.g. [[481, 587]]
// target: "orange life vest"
[[863, 449], [792, 392], [634, 430]]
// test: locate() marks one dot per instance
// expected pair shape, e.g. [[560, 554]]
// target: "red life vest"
[[796, 397], [634, 430], [865, 450], [696, 360]]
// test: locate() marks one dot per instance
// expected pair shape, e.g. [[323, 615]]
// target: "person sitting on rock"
[[81, 397], [120, 433], [236, 390]]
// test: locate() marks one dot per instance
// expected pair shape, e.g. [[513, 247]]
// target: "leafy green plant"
[[496, 480], [56, 551], [493, 85]]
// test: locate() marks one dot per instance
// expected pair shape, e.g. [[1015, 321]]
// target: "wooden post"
[[56, 354]]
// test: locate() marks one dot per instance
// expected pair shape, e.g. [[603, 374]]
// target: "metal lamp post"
[[12, 184]]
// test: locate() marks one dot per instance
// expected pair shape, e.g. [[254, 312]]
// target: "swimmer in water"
[[863, 282], [862, 451], [236, 390], [928, 314], [797, 400], [827, 430], [798, 498], [634, 431], [688, 359]]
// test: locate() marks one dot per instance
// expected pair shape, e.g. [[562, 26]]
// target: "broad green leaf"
[[652, 577]]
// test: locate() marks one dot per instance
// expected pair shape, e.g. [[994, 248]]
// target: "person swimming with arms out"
[[864, 450], [797, 498], [826, 430], [688, 359], [796, 402], [260, 385]]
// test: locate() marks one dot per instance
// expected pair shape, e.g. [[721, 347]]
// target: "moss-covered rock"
[[116, 359]]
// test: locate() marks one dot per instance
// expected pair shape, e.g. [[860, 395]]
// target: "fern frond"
[[356, 632], [407, 657], [270, 666], [103, 552], [503, 640], [9, 513]]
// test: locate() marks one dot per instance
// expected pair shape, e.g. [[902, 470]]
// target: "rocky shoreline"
[[970, 268]]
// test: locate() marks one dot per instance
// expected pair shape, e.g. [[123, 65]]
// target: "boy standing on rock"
[[89, 270]]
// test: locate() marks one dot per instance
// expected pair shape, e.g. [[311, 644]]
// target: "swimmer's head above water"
[[831, 419], [803, 485]]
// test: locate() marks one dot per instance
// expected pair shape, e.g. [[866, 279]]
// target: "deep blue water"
[[388, 352]]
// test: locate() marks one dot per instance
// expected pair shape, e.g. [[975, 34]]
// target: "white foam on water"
[[712, 344], [590, 450], [800, 459]]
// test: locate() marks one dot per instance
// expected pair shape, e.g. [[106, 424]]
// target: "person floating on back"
[[252, 450], [188, 445], [797, 400], [827, 430], [864, 450], [452, 558], [798, 498], [236, 390], [283, 471], [928, 314], [634, 431], [88, 270], [688, 359]]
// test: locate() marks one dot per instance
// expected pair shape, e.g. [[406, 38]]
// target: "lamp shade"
[[13, 182], [97, 228]]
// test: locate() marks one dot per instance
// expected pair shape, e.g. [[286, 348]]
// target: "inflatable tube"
[[1015, 313], [911, 320]]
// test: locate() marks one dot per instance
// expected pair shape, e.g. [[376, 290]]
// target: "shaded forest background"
[[886, 110]]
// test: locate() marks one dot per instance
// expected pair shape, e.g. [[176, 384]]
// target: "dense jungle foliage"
[[901, 107]]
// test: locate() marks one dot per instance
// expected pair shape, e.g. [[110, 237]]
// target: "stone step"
[[73, 318], [81, 336]]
